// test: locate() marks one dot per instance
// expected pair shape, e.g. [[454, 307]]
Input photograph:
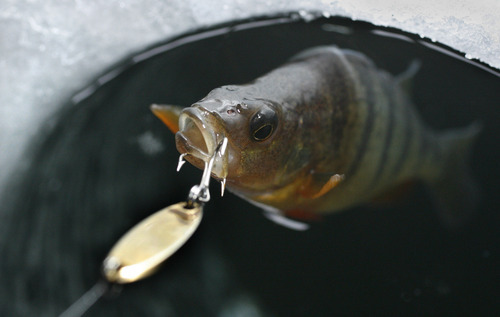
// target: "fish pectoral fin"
[[168, 114], [316, 186]]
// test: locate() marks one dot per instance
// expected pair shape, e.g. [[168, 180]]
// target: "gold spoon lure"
[[141, 250]]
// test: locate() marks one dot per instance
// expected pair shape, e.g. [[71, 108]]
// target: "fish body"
[[326, 131]]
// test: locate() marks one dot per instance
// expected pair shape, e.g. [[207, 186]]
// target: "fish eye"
[[263, 124]]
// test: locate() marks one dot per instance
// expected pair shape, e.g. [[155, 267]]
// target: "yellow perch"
[[326, 131]]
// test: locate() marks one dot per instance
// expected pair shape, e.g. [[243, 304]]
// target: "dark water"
[[106, 162]]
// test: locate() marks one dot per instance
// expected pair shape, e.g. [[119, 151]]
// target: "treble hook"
[[200, 193]]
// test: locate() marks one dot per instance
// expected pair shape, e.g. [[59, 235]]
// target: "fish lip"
[[195, 126]]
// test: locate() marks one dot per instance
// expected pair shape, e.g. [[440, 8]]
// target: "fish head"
[[250, 126]]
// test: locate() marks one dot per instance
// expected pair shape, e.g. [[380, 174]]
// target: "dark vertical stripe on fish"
[[407, 123], [341, 100], [388, 135], [368, 124]]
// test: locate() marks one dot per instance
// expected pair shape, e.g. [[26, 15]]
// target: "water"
[[106, 162]]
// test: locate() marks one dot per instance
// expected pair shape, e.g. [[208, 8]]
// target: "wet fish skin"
[[346, 132]]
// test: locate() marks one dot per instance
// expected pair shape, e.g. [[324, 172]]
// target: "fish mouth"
[[195, 136], [199, 139]]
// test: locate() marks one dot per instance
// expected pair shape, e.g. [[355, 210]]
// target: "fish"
[[324, 132]]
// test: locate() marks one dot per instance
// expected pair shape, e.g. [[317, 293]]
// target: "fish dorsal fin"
[[318, 184], [405, 79], [168, 114]]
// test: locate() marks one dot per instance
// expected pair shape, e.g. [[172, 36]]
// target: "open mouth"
[[195, 136]]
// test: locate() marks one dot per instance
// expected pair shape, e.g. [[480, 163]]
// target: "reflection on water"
[[107, 163]]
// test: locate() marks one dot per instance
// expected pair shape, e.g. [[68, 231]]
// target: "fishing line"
[[89, 298]]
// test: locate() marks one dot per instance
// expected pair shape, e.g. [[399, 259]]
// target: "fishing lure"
[[324, 132]]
